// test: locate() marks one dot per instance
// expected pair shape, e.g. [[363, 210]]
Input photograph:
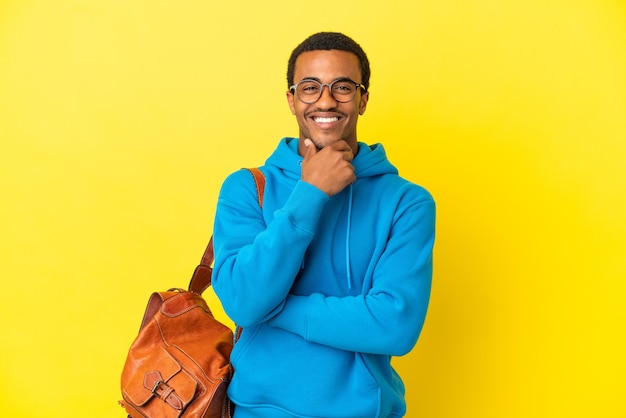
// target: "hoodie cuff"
[[293, 317], [305, 205]]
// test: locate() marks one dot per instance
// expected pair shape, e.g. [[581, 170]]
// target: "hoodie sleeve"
[[389, 317], [252, 286]]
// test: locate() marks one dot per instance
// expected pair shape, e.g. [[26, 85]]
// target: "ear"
[[363, 102], [290, 100]]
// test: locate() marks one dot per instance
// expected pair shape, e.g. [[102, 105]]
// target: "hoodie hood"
[[371, 160]]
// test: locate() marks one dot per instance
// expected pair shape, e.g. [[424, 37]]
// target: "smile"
[[326, 120]]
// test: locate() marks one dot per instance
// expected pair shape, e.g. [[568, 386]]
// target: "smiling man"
[[332, 277]]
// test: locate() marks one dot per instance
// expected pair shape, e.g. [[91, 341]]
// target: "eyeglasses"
[[309, 91]]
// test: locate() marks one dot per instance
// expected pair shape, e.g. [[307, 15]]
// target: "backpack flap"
[[169, 387]]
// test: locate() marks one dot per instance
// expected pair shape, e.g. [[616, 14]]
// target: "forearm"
[[255, 264], [379, 323], [386, 319]]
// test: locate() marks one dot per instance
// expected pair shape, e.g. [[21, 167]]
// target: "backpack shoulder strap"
[[201, 279]]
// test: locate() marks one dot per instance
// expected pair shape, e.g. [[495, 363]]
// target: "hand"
[[329, 169]]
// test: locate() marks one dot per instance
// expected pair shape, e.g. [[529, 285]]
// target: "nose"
[[326, 100]]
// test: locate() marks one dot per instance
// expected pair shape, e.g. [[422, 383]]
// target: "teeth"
[[326, 120]]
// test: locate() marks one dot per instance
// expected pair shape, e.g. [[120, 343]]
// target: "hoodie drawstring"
[[348, 274]]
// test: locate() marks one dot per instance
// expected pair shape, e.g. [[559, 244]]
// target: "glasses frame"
[[294, 89]]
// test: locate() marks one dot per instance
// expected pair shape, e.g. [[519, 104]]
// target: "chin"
[[321, 141]]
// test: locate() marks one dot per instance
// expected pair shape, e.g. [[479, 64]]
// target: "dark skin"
[[329, 169], [327, 139]]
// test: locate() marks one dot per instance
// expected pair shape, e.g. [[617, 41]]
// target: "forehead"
[[327, 65]]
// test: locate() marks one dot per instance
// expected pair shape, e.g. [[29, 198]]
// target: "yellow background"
[[119, 120]]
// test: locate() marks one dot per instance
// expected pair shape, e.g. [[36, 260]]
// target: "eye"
[[343, 87], [309, 87]]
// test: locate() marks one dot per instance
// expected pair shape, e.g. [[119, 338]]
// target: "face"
[[327, 121]]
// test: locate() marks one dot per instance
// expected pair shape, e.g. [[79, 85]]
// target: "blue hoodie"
[[327, 289]]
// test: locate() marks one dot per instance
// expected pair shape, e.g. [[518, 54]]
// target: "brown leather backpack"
[[179, 364]]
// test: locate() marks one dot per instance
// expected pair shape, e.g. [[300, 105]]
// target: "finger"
[[347, 153], [344, 148], [341, 146]]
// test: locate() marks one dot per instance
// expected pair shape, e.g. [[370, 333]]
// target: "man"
[[332, 277]]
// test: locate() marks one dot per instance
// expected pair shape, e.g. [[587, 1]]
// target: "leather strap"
[[153, 381], [201, 279], [259, 182]]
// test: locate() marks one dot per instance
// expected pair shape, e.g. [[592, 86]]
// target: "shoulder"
[[404, 189], [239, 184]]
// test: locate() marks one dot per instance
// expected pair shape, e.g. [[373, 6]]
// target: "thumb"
[[311, 149]]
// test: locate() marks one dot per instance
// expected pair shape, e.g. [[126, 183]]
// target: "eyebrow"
[[337, 79]]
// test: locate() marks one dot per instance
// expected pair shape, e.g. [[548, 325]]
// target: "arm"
[[389, 318], [255, 265]]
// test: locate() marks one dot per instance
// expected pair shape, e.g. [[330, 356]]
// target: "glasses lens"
[[309, 91], [343, 91]]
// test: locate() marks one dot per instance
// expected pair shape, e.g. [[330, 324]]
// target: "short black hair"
[[326, 41]]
